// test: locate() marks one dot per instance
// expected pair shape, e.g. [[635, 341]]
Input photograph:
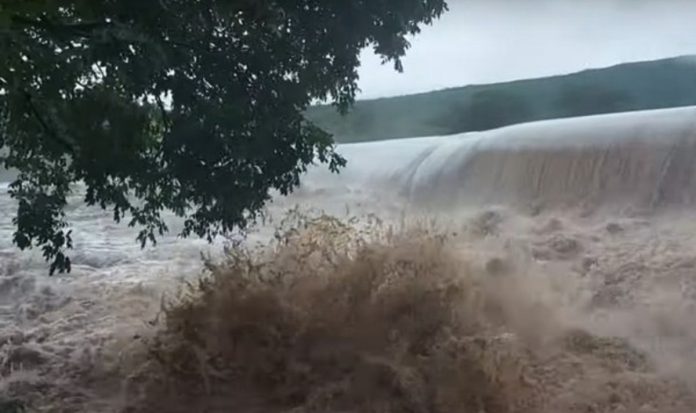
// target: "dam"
[[643, 158]]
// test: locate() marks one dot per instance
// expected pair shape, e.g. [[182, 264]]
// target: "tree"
[[487, 109], [584, 100], [195, 106], [491, 109]]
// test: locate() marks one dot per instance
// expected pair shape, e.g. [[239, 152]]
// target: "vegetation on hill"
[[626, 87]]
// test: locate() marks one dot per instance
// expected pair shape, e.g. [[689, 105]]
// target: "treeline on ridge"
[[627, 87]]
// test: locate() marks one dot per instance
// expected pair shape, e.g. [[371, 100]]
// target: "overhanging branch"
[[48, 130], [84, 29]]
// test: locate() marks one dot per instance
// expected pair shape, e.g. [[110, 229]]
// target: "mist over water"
[[546, 267]]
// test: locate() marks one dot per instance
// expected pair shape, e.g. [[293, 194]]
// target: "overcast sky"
[[484, 41]]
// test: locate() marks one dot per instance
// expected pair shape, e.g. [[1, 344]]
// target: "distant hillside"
[[626, 87]]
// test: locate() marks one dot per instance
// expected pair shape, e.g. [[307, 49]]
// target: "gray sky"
[[484, 41]]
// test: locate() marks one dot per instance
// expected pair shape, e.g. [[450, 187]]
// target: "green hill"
[[625, 87]]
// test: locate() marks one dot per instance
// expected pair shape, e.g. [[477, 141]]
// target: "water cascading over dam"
[[644, 158]]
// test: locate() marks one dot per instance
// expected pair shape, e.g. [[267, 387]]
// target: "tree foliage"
[[583, 100], [195, 106], [487, 109]]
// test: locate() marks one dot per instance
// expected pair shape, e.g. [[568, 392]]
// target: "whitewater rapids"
[[591, 217]]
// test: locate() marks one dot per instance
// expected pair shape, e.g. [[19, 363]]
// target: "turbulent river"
[[544, 267]]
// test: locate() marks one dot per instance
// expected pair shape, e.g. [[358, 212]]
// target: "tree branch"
[[163, 112], [45, 126], [77, 29]]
